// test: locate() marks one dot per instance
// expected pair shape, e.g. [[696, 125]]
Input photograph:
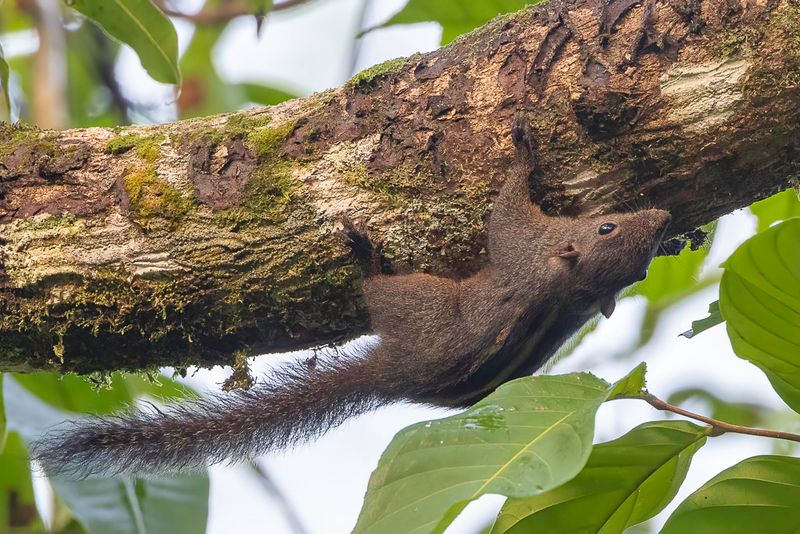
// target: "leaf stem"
[[719, 427], [225, 12]]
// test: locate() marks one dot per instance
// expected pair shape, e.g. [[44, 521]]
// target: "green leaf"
[[760, 494], [16, 490], [5, 107], [117, 505], [455, 16], [670, 278], [780, 207], [759, 298], [789, 392], [701, 325], [78, 394], [625, 482], [139, 24], [630, 385], [530, 435], [89, 53], [2, 417], [261, 6], [266, 96]]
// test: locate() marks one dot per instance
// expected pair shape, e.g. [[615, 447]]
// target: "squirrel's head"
[[607, 253]]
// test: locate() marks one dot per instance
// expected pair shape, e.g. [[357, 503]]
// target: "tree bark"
[[199, 241]]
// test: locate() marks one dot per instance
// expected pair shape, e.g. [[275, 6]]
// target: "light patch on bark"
[[704, 96], [327, 180], [154, 265], [590, 186], [32, 247], [49, 245]]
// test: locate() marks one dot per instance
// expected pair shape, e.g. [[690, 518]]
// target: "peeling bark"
[[191, 242]]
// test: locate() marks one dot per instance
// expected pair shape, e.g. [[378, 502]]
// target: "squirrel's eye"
[[606, 228]]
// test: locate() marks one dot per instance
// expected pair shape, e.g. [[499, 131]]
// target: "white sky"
[[309, 49]]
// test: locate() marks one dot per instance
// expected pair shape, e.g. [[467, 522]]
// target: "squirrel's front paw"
[[523, 136], [356, 237]]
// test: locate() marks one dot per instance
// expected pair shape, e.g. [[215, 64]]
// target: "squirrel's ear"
[[567, 251]]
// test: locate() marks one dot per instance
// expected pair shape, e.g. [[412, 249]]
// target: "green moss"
[[243, 123], [737, 41], [266, 198], [405, 182], [270, 189], [13, 135], [147, 147], [153, 199], [237, 125], [46, 223], [242, 377], [366, 78], [435, 236], [266, 142], [781, 30]]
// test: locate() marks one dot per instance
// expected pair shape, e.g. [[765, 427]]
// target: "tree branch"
[[225, 12], [189, 242], [719, 427]]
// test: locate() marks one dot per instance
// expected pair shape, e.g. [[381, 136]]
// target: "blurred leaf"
[[738, 413], [574, 341], [260, 6], [789, 392], [139, 24], [780, 207], [204, 92], [701, 325], [91, 56], [2, 417], [62, 520], [625, 482], [760, 494], [641, 528], [670, 278], [78, 394], [530, 435], [176, 504], [455, 16], [17, 505], [759, 298], [5, 108], [75, 393], [266, 96], [14, 19]]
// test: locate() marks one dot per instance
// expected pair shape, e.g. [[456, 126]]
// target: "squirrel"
[[442, 342]]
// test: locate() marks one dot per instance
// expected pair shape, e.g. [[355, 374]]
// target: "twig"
[[225, 12], [720, 427], [295, 525]]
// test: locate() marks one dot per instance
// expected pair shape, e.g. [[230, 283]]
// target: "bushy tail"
[[294, 403]]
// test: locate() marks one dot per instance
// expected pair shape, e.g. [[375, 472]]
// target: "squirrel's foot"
[[356, 237], [523, 136]]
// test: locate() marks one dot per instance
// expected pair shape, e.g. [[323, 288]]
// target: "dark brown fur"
[[442, 342]]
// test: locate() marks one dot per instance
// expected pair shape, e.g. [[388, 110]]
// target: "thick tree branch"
[[193, 241]]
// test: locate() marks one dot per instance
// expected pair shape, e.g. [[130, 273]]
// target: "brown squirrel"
[[443, 342]]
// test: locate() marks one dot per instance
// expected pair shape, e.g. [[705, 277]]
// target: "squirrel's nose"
[[661, 220]]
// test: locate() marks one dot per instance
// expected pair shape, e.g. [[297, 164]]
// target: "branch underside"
[[188, 242]]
